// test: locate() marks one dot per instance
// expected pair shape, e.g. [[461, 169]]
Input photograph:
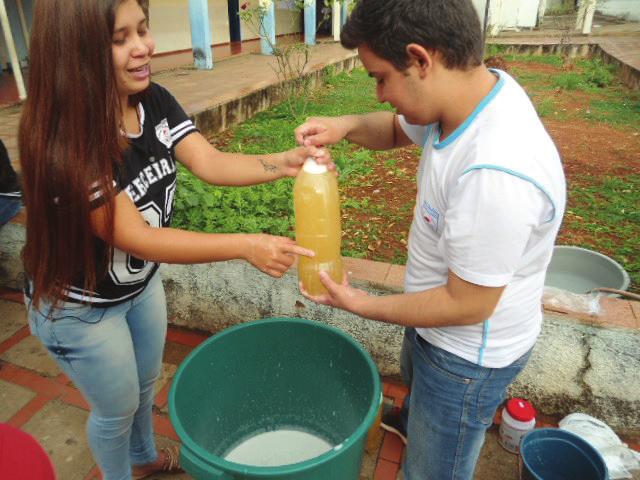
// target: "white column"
[[268, 27], [542, 8], [335, 21], [588, 16], [23, 22], [11, 47]]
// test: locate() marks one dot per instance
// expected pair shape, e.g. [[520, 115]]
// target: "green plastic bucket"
[[271, 374]]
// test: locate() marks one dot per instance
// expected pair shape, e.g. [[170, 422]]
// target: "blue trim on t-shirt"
[[485, 339], [461, 128], [519, 175], [428, 135]]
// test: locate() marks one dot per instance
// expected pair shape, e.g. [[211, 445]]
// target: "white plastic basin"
[[580, 270]]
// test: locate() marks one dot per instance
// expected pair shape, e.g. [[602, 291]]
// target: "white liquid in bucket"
[[279, 447]]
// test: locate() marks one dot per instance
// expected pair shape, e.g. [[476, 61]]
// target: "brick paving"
[[38, 398]]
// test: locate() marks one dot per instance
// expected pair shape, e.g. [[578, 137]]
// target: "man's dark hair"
[[451, 27]]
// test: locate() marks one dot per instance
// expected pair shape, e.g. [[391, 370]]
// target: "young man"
[[491, 195]]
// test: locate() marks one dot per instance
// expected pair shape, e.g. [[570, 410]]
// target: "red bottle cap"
[[521, 410]]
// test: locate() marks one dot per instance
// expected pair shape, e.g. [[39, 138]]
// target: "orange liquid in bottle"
[[317, 209]]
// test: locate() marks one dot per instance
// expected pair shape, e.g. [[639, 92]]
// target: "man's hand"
[[342, 295], [293, 159], [319, 131]]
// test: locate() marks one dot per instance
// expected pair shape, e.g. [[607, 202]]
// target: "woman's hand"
[[273, 255], [295, 158]]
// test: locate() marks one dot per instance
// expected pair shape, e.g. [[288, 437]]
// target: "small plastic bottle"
[[518, 418], [317, 209]]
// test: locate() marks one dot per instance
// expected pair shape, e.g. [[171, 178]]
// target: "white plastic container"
[[518, 418]]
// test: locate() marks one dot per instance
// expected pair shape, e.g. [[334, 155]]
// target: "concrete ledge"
[[576, 365], [629, 74], [211, 119]]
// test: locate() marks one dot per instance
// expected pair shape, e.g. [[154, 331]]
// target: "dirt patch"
[[382, 233], [595, 149], [586, 147]]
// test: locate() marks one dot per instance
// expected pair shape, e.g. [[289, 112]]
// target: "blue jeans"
[[114, 356], [9, 208], [451, 405]]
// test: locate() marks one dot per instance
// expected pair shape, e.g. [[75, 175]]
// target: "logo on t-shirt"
[[431, 215], [164, 133]]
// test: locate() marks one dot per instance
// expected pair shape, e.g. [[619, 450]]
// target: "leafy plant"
[[603, 212], [546, 107], [569, 81], [597, 73]]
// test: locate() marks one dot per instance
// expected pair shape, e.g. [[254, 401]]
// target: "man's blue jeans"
[[451, 405], [113, 355]]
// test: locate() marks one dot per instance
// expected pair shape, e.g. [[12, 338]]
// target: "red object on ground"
[[521, 410], [22, 457]]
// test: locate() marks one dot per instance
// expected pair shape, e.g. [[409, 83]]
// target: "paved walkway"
[[238, 76], [202, 90]]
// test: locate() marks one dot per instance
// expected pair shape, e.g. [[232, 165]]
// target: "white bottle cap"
[[311, 166]]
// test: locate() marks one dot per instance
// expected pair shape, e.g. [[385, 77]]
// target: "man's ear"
[[420, 57]]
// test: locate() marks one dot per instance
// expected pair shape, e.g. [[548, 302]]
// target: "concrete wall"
[[171, 29], [508, 14], [288, 20], [630, 9], [170, 23]]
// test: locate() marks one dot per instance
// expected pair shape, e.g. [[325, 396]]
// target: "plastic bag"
[[563, 301], [620, 459]]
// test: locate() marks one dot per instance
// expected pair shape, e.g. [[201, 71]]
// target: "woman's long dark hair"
[[69, 139]]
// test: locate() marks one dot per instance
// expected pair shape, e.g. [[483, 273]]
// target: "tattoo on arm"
[[268, 167]]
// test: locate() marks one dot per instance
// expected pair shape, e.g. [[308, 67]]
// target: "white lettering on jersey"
[[123, 269], [148, 176]]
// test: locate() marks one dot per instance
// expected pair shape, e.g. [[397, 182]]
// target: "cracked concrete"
[[583, 368]]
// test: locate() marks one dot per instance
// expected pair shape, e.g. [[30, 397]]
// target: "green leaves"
[[605, 216], [269, 208]]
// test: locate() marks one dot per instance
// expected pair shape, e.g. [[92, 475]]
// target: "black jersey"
[[148, 176]]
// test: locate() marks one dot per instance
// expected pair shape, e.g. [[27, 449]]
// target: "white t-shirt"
[[490, 201]]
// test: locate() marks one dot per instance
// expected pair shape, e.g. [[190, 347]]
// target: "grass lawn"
[[592, 117]]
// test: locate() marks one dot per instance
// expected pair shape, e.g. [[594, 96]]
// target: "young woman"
[[98, 147]]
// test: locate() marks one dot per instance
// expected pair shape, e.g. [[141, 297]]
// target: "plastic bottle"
[[317, 208], [518, 418]]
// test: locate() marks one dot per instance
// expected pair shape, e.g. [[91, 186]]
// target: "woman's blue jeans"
[[114, 356], [451, 405]]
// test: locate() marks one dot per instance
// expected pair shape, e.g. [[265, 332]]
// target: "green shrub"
[[569, 81], [546, 107], [597, 73]]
